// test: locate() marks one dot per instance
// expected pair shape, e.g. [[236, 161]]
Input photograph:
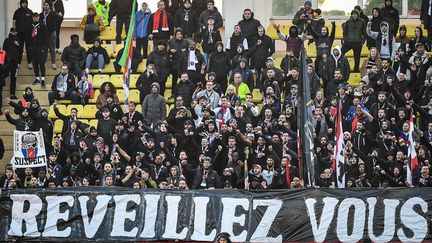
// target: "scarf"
[[288, 173], [157, 19], [192, 61], [35, 30]]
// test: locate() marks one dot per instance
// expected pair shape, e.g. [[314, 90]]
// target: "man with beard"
[[186, 18], [74, 56], [161, 24], [177, 46], [206, 178], [160, 58]]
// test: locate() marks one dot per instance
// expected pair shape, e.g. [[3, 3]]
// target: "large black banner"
[[119, 214]]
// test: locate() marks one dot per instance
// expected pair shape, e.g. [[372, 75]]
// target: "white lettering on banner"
[[261, 232], [29, 217], [91, 226], [229, 217], [152, 202], [320, 231], [414, 221], [358, 221], [408, 216], [199, 231], [54, 215], [390, 206], [172, 218], [121, 214]]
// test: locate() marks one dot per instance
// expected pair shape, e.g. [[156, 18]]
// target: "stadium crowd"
[[215, 136]]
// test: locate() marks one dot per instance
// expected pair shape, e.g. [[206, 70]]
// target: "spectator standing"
[[160, 58], [12, 45], [39, 41], [145, 80], [92, 24], [154, 107], [376, 23], [293, 41], [249, 26], [136, 60], [241, 89], [102, 10], [209, 37], [49, 19], [302, 15], [385, 41], [220, 64], [426, 17], [122, 10], [193, 62], [186, 18], [22, 22], [58, 7], [391, 15], [236, 39], [142, 18], [260, 51], [161, 24], [354, 36], [177, 46], [74, 56], [210, 11]]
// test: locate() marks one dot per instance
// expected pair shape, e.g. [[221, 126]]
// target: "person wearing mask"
[[249, 27], [391, 15], [49, 19], [177, 46], [293, 41], [385, 41], [161, 24], [353, 37], [63, 87], [210, 11], [22, 22], [97, 57], [92, 24], [102, 10], [74, 56], [122, 10], [12, 45], [142, 18], [323, 41], [39, 41], [187, 19]]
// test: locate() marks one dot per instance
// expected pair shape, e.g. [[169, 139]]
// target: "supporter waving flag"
[[412, 154], [339, 152], [126, 59]]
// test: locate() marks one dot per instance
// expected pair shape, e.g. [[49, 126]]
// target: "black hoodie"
[[391, 15], [23, 18], [249, 28]]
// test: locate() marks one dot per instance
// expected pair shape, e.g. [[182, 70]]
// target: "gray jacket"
[[154, 107]]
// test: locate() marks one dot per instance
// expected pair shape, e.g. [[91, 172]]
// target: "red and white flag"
[[412, 154], [339, 151]]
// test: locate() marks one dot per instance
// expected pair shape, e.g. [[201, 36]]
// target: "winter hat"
[[74, 36]]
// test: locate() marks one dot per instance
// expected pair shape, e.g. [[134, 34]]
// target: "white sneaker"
[[87, 71], [30, 66], [100, 70], [54, 66]]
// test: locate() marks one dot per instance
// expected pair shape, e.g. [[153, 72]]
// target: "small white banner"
[[29, 149]]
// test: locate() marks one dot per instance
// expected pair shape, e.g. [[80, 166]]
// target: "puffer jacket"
[[142, 20], [154, 107], [249, 28], [353, 30], [185, 90], [74, 54]]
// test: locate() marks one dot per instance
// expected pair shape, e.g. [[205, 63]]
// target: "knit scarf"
[[156, 21]]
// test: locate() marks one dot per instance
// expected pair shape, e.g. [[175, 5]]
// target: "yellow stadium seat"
[[58, 126], [168, 109], [51, 113], [117, 80], [257, 96], [118, 47], [65, 102], [133, 79], [84, 121], [167, 96], [277, 62], [96, 94], [168, 83], [109, 68], [93, 122], [138, 108], [134, 95], [121, 95], [142, 66], [354, 79], [78, 107], [99, 79], [89, 111]]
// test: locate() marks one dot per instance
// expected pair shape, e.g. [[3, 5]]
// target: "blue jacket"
[[141, 23]]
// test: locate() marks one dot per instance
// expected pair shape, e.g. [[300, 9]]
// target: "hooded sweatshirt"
[[323, 42], [23, 18], [385, 41], [293, 41], [249, 28], [391, 15], [341, 62]]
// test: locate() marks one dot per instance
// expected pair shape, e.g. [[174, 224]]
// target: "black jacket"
[[23, 18], [179, 46], [74, 54], [50, 21], [161, 60], [161, 34], [323, 42], [144, 82], [189, 26], [40, 40], [391, 15], [13, 52], [220, 63], [209, 44], [212, 180], [99, 50], [259, 53], [122, 8], [185, 90], [249, 28]]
